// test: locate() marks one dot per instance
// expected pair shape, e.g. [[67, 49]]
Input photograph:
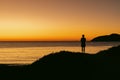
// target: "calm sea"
[[28, 52]]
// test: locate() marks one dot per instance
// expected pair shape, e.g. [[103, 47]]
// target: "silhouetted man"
[[83, 43]]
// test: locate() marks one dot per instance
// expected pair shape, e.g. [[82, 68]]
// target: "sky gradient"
[[57, 20]]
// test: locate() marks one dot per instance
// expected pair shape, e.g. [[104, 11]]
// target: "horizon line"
[[43, 41]]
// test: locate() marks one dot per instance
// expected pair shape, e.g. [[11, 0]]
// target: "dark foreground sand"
[[64, 65]]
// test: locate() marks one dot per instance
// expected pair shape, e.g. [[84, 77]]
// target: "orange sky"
[[56, 20]]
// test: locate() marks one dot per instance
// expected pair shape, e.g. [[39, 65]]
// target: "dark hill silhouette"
[[112, 37], [71, 65], [63, 65]]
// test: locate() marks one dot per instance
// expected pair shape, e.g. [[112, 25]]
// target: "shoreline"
[[65, 64]]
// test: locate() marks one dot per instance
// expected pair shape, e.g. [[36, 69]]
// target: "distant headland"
[[111, 37]]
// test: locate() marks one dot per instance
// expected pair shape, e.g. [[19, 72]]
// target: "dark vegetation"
[[64, 65], [112, 37]]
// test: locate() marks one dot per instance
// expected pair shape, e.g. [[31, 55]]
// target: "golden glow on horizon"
[[27, 20]]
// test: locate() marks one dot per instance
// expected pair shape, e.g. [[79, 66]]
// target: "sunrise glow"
[[57, 20]]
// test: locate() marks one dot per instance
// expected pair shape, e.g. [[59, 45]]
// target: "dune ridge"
[[68, 65]]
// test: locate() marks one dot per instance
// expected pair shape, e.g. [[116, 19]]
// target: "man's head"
[[83, 35]]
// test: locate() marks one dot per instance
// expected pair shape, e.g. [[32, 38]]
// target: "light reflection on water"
[[27, 55]]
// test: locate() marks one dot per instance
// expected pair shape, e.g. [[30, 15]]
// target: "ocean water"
[[28, 52]]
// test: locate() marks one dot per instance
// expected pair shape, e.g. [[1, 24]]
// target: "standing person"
[[83, 43]]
